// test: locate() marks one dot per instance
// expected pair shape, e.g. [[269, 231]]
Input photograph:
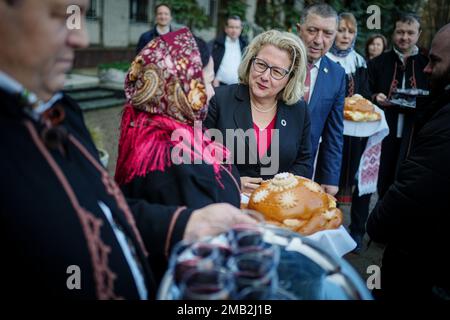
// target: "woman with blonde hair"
[[268, 101]]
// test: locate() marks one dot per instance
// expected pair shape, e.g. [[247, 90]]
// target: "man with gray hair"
[[325, 93]]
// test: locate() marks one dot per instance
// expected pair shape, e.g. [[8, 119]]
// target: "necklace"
[[262, 111]]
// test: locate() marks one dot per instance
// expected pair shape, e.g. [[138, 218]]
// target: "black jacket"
[[146, 37], [230, 109], [218, 49], [41, 233], [381, 74], [191, 185], [358, 83], [413, 217]]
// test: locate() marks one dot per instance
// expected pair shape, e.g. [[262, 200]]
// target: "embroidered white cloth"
[[370, 160]]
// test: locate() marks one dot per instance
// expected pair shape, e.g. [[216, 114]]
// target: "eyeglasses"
[[277, 73]]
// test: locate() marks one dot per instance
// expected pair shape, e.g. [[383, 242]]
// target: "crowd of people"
[[284, 96]]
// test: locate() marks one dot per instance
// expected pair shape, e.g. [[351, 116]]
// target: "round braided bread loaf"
[[296, 203]]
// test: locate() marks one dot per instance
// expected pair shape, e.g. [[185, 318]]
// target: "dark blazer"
[[192, 185], [326, 107], [230, 109], [218, 49], [413, 216], [382, 71], [146, 37], [41, 234]]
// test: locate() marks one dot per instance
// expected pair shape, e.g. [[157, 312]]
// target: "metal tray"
[[305, 272]]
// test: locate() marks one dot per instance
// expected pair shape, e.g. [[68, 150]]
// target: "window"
[[213, 11], [139, 10], [210, 8], [93, 11]]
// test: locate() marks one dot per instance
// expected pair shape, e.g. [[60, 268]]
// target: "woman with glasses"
[[262, 120]]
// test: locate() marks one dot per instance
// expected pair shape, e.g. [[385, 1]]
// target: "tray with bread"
[[359, 109]]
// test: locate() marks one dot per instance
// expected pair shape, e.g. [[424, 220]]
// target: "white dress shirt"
[[228, 69], [314, 73], [14, 87], [129, 252]]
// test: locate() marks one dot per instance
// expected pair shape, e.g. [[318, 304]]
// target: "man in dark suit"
[[227, 51], [400, 68], [413, 216], [325, 94], [163, 17], [60, 213]]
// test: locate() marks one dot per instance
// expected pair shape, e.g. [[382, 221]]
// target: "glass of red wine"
[[188, 256], [256, 268], [211, 284]]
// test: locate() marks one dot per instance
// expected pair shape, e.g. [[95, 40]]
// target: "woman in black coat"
[[266, 101], [162, 158]]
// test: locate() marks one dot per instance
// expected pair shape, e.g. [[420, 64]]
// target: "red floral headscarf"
[[165, 92], [166, 78]]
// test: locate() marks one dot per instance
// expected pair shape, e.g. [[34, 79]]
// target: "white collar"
[[317, 63], [12, 86], [231, 41], [162, 31], [414, 51]]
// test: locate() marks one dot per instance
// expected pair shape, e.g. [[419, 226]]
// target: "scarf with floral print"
[[165, 92]]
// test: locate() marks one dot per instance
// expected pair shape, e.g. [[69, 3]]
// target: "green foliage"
[[281, 14], [189, 13], [389, 12], [235, 8], [292, 16], [269, 13], [119, 65]]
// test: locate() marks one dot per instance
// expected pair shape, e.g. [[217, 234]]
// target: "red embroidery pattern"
[[103, 275], [412, 79], [113, 190], [351, 86], [370, 165], [394, 82], [98, 250]]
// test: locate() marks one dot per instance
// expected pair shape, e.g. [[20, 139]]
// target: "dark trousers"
[[390, 151], [351, 156], [359, 212], [348, 184]]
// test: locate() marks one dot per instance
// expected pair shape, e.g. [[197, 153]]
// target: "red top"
[[264, 136]]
